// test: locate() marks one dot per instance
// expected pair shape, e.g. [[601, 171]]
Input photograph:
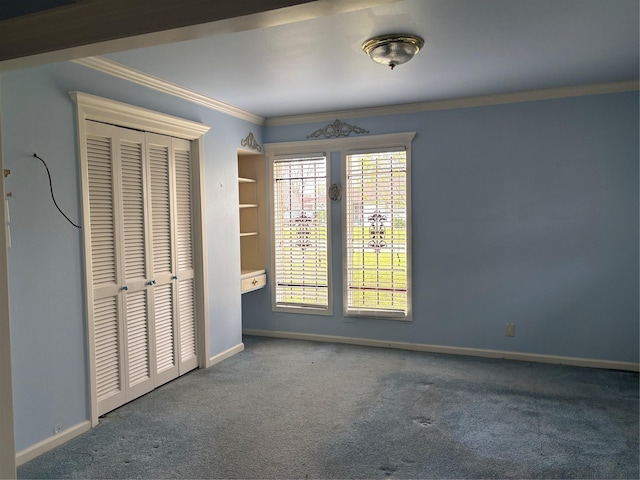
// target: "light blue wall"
[[523, 213], [45, 260]]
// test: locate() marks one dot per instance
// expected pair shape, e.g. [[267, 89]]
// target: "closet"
[[140, 261]]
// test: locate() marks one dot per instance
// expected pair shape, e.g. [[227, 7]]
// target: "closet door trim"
[[90, 107]]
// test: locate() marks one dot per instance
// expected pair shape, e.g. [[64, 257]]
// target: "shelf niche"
[[252, 211]]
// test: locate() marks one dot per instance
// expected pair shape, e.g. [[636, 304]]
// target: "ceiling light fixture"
[[393, 49]]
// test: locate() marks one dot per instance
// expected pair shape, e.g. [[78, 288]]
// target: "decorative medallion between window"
[[303, 222], [377, 231]]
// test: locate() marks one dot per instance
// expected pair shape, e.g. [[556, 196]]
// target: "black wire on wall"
[[52, 195]]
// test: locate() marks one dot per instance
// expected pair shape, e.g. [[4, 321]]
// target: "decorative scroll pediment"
[[250, 142], [337, 129]]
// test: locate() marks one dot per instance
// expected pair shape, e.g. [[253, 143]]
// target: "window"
[[375, 238], [300, 234], [375, 229]]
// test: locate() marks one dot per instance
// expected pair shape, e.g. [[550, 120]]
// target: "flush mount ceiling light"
[[394, 49]]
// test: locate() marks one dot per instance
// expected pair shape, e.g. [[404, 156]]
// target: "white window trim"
[[343, 146], [274, 153], [90, 107], [332, 145]]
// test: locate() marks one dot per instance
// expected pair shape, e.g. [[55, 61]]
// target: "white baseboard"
[[52, 442], [226, 354], [474, 352]]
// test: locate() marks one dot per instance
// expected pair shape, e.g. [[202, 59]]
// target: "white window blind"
[[376, 242], [300, 232]]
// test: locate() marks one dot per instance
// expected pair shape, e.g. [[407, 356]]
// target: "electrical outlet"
[[56, 429], [510, 329]]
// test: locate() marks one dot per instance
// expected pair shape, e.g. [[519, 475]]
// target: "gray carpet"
[[293, 409]]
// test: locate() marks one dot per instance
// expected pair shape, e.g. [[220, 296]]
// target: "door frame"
[[91, 107], [7, 434]]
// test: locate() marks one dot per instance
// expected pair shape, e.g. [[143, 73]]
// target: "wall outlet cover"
[[510, 330]]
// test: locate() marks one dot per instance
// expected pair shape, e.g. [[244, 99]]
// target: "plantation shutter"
[[184, 246], [376, 234], [300, 232]]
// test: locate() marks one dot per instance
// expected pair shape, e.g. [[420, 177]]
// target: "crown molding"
[[119, 70], [481, 101]]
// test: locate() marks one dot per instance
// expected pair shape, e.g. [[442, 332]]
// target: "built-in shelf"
[[247, 273], [252, 196]]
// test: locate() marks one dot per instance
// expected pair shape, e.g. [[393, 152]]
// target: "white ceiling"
[[472, 48]]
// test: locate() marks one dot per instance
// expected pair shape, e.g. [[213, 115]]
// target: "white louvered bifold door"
[[162, 258], [136, 276], [188, 359], [105, 311], [140, 257], [122, 334]]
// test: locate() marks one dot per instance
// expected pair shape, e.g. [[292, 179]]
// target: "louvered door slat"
[[184, 254], [165, 355], [160, 208], [105, 315], [184, 210], [187, 320], [137, 337], [101, 210], [133, 210]]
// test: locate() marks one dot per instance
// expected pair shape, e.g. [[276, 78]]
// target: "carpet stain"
[[388, 470], [422, 386], [422, 421], [500, 427]]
